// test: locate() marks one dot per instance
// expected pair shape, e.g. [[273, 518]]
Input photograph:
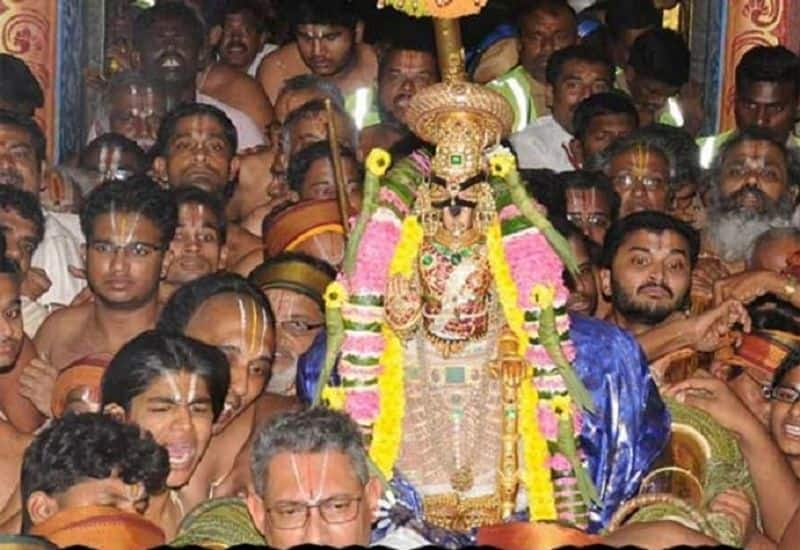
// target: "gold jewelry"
[[429, 217], [450, 511]]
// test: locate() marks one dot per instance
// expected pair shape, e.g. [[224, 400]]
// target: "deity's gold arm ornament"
[[338, 171]]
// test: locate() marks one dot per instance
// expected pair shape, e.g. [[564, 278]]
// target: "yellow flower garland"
[[537, 475], [334, 397], [407, 249], [335, 295], [388, 428]]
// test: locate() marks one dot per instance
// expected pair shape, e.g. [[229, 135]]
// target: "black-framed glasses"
[[294, 515]]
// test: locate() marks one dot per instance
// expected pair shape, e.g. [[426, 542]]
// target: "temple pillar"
[[721, 34], [48, 36]]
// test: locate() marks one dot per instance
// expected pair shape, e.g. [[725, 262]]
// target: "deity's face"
[[768, 105], [403, 73], [11, 335], [18, 163], [650, 276], [589, 210], [583, 298], [603, 130], [319, 181], [238, 326], [785, 418], [198, 153], [20, 236], [136, 113], [176, 409], [296, 480], [241, 40], [773, 254], [541, 34], [641, 178], [298, 320], [578, 80], [753, 177], [197, 247], [125, 259], [174, 54], [327, 49]]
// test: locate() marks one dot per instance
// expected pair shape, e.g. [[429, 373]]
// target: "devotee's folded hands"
[[35, 284], [37, 383]]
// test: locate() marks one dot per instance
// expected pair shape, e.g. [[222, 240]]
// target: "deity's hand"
[[35, 284], [403, 302], [716, 328], [736, 504], [37, 383]]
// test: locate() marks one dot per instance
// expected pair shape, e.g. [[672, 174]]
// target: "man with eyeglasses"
[[312, 484], [128, 226], [641, 171], [294, 284]]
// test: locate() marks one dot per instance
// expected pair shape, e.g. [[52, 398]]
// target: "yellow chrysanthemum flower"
[[378, 161], [543, 295], [501, 164], [335, 295], [334, 397], [562, 406]]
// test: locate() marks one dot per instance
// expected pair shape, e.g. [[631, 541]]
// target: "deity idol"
[[451, 340]]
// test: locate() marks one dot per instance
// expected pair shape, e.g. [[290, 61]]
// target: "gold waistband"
[[450, 511]]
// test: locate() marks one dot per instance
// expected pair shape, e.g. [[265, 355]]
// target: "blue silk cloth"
[[621, 439]]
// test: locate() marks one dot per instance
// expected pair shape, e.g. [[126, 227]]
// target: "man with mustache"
[[646, 269], [169, 47], [573, 74], [328, 43], [196, 147], [243, 44]]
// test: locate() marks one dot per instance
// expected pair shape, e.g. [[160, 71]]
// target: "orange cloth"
[[533, 536], [299, 222], [100, 527], [764, 350], [87, 371]]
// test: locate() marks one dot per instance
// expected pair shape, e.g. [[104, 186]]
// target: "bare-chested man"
[[226, 311], [196, 146], [328, 43], [128, 226]]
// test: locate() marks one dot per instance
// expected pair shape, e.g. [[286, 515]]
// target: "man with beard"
[[226, 311], [573, 74], [767, 90], [328, 43], [294, 284], [646, 270], [753, 189], [408, 66], [196, 146], [198, 247], [22, 147], [546, 26], [169, 42], [244, 36], [128, 227]]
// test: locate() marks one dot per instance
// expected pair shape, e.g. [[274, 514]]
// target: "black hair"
[[137, 194], [26, 204], [110, 140], [194, 195], [569, 230], [9, 266], [661, 55], [526, 7], [146, 19], [183, 304], [604, 103], [302, 160], [682, 146], [322, 12], [542, 184], [774, 318], [409, 34], [578, 52], [170, 122], [28, 125], [18, 86], [652, 221], [154, 354], [235, 7], [77, 447], [624, 15], [768, 64], [586, 179]]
